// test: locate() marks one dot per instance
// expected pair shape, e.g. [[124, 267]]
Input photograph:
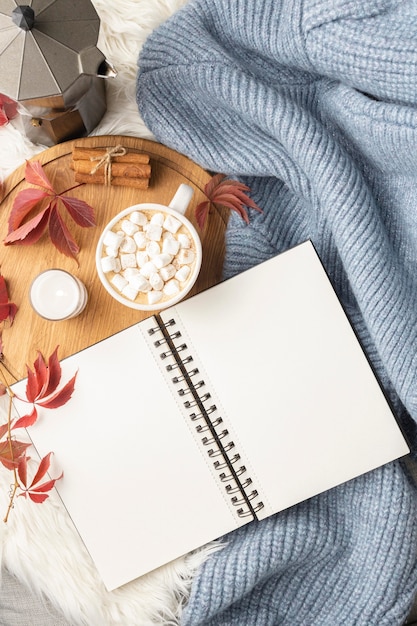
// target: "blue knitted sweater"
[[313, 104]]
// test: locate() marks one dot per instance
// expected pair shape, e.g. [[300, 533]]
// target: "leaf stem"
[[16, 485], [9, 439]]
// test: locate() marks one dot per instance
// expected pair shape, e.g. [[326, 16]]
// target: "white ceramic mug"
[[106, 258]]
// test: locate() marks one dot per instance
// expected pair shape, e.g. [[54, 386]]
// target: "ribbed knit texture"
[[312, 103]]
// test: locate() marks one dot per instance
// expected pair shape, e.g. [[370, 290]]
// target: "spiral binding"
[[217, 441]]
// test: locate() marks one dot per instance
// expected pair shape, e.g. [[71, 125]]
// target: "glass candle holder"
[[56, 294]]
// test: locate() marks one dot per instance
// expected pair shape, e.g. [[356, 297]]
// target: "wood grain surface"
[[103, 316]]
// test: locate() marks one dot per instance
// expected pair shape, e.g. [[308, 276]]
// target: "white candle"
[[57, 295]]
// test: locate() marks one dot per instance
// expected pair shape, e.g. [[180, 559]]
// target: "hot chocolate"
[[149, 256]]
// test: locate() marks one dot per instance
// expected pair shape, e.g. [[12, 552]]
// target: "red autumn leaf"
[[61, 236], [38, 380], [35, 497], [11, 451], [22, 469], [80, 211], [35, 175], [35, 379], [8, 309], [8, 109], [60, 397], [26, 420], [4, 429], [53, 378], [31, 231], [36, 491], [41, 373], [222, 192], [42, 383], [201, 213], [43, 467], [23, 204]]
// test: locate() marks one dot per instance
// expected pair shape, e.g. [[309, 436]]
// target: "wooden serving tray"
[[103, 316]]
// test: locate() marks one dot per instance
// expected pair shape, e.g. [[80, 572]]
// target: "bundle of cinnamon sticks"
[[112, 166]]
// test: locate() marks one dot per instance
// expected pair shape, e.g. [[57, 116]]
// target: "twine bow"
[[106, 161]]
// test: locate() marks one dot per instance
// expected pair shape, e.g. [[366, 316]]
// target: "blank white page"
[[291, 380], [136, 486]]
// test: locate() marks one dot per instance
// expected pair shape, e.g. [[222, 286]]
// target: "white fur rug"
[[39, 544]]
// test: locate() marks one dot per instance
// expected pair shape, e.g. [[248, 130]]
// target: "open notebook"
[[233, 405]]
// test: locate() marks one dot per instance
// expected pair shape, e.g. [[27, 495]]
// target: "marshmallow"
[[129, 227], [141, 258], [161, 260], [167, 272], [112, 239], [183, 273], [154, 296], [171, 288], [185, 256], [108, 264], [153, 232], [158, 219], [184, 240], [170, 246], [171, 224], [128, 260], [153, 248], [156, 281], [138, 218], [130, 271], [148, 269], [111, 251], [139, 282], [128, 245], [119, 282], [140, 239], [130, 292]]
